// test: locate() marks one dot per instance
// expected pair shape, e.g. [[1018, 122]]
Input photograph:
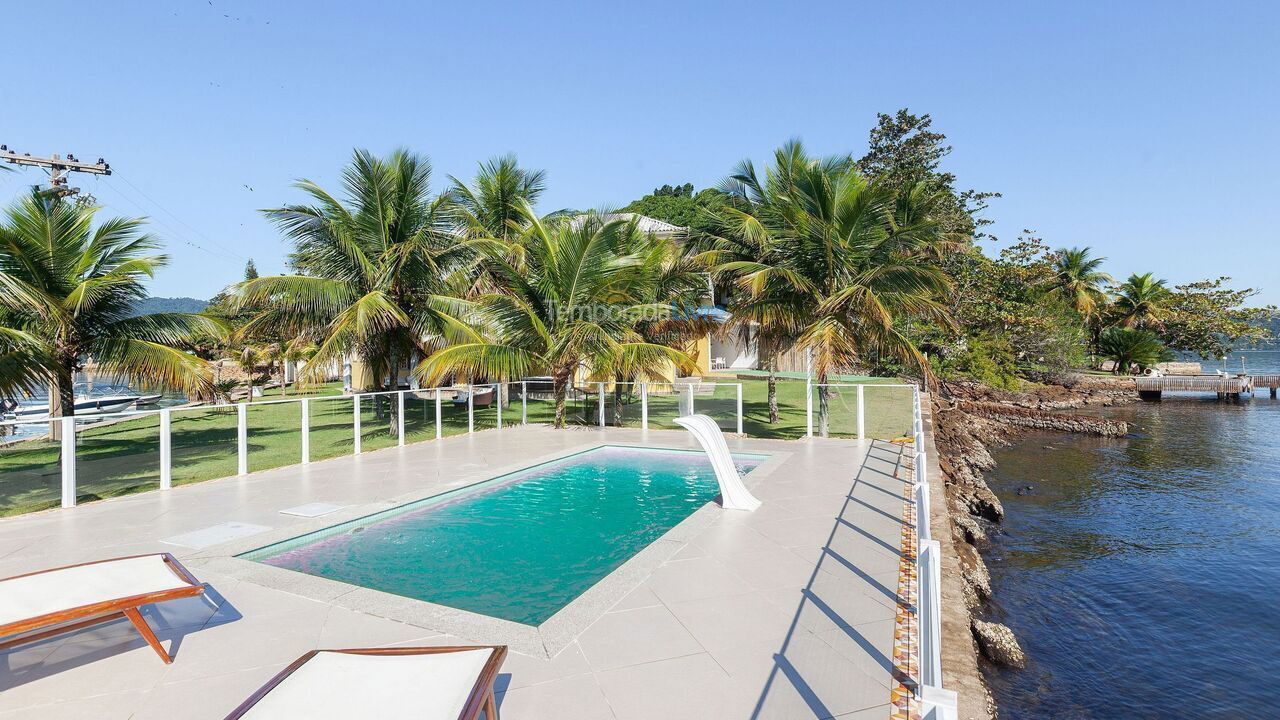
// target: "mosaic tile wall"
[[906, 633]]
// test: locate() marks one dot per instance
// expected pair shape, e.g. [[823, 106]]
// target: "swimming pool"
[[520, 546]]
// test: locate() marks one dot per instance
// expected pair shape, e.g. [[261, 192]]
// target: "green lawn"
[[124, 457]]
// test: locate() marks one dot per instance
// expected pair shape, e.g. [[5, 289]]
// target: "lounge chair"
[[51, 602], [483, 393], [422, 683]]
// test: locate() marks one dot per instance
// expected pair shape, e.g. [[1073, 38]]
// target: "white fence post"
[[355, 423], [471, 408], [524, 403], [691, 409], [166, 451], [600, 403], [497, 392], [862, 423], [439, 427], [400, 418], [242, 438], [68, 462], [739, 408], [306, 430], [808, 408], [644, 406], [931, 622]]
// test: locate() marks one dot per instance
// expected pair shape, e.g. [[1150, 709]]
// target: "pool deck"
[[786, 612]]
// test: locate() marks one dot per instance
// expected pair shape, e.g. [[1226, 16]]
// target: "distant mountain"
[[153, 305], [1272, 326]]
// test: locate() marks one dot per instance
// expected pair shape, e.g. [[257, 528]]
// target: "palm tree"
[[1141, 301], [1078, 280], [844, 262], [1129, 348], [67, 294], [493, 205], [380, 272], [572, 303], [740, 238]]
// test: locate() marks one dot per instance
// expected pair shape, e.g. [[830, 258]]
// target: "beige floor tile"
[[802, 677], [680, 580], [721, 622], [208, 698], [771, 569], [688, 688], [523, 670], [578, 696], [635, 636], [112, 706], [638, 598]]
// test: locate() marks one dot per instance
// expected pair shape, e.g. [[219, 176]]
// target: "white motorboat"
[[86, 406]]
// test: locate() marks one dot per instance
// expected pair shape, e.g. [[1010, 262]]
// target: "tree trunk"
[[394, 424], [617, 402], [773, 390], [560, 383], [62, 399], [823, 391]]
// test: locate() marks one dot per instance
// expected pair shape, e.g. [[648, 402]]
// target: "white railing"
[[938, 703], [723, 401], [860, 411]]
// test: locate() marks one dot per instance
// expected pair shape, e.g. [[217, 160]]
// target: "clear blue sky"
[[1146, 130]]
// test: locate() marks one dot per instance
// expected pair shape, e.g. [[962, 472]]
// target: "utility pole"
[[58, 168]]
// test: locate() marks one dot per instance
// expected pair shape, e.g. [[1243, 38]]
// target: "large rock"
[[974, 570], [974, 533], [999, 644]]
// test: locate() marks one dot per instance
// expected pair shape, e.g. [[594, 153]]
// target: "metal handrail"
[[937, 702]]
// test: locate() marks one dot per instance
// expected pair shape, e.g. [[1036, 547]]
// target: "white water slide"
[[733, 494]]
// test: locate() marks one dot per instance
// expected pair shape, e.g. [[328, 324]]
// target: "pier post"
[[1273, 391]]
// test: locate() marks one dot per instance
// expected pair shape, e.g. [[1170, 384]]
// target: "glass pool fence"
[[50, 463]]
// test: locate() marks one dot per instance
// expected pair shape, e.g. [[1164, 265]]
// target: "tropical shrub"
[[1132, 349]]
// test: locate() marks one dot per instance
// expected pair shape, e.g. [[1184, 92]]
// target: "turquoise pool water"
[[520, 546]]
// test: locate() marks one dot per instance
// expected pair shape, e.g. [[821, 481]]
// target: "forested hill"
[[1273, 326], [153, 305]]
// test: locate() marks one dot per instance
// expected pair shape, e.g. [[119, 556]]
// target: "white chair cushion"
[[27, 597], [339, 686]]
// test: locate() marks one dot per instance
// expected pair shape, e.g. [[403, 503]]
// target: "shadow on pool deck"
[[828, 602], [171, 622]]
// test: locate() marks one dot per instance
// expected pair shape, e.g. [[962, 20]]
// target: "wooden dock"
[[1266, 381], [1150, 388]]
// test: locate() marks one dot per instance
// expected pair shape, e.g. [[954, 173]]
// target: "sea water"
[[1141, 574]]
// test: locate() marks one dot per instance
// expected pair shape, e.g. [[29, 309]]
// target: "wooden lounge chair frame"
[[481, 699], [72, 619]]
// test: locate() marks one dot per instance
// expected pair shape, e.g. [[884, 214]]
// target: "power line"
[[180, 220], [172, 232]]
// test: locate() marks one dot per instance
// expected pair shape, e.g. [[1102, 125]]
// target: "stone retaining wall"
[[1042, 420]]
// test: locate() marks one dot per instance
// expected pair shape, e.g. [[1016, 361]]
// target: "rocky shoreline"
[[968, 420]]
